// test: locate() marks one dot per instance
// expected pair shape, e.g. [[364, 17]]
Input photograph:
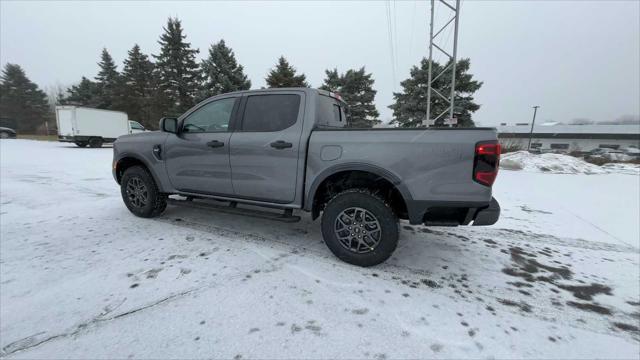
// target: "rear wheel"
[[360, 228], [95, 142], [4, 135], [140, 193]]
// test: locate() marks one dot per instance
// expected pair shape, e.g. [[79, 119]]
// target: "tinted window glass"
[[270, 112], [330, 113], [337, 116], [212, 117]]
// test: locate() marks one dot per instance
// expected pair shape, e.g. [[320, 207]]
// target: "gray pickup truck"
[[293, 149]]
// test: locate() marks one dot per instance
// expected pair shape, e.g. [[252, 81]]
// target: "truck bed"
[[434, 165]]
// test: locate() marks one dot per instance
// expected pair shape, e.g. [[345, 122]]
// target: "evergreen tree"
[[85, 93], [108, 82], [356, 88], [222, 72], [333, 81], [21, 100], [178, 73], [410, 105], [139, 88], [284, 75]]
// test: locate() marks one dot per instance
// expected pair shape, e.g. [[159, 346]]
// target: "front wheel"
[[360, 228], [140, 193]]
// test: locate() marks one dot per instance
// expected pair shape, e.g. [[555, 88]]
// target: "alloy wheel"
[[137, 192], [358, 230]]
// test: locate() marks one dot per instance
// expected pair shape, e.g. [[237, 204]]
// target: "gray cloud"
[[576, 59]]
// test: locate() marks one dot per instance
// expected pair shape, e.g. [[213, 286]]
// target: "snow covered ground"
[[80, 277]]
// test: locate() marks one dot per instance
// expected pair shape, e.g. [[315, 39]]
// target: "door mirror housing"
[[169, 124]]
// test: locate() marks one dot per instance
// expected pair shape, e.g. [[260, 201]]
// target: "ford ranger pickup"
[[292, 149]]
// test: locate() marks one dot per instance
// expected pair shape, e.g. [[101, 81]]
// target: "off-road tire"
[[95, 142], [374, 204], [156, 201]]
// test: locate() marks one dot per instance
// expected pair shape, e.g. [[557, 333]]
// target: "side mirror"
[[169, 124]]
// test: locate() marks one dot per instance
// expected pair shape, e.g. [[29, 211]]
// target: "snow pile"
[[550, 163]]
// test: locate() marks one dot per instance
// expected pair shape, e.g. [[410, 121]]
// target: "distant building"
[[553, 137]]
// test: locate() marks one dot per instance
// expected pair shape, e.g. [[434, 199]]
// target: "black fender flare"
[[374, 169], [142, 160]]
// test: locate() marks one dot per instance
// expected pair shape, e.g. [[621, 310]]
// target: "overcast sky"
[[576, 59]]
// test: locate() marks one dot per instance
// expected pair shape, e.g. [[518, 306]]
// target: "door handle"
[[215, 144], [281, 144]]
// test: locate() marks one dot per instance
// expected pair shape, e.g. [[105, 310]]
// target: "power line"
[[413, 28], [395, 33], [391, 45]]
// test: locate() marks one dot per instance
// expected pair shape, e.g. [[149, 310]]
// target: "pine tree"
[[410, 105], [108, 82], [222, 72], [21, 100], [284, 75], [139, 88], [85, 93], [356, 88], [333, 81], [178, 72]]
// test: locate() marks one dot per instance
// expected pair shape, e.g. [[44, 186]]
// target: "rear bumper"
[[488, 215], [64, 138], [447, 213]]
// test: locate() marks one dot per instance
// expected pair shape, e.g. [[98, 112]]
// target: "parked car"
[[93, 127], [291, 149], [603, 151], [7, 133], [631, 151], [604, 155]]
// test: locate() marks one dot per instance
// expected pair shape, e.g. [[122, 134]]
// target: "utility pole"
[[535, 110], [451, 64]]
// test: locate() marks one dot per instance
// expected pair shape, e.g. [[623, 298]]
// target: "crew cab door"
[[265, 146], [197, 157]]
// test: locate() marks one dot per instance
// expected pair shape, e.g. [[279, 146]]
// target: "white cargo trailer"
[[93, 127]]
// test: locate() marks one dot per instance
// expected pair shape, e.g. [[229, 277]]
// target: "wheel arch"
[[126, 161], [359, 173]]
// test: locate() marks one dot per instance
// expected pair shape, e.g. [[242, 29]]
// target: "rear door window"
[[331, 113], [270, 113]]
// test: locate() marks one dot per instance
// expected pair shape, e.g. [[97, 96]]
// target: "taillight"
[[486, 162]]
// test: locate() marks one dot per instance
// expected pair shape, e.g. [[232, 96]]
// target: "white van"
[[93, 127]]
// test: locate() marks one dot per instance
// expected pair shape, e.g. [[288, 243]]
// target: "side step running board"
[[232, 208]]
